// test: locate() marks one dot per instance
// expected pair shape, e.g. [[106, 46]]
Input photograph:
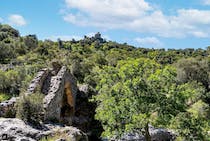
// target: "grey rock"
[[132, 137], [7, 107], [157, 134], [162, 135], [61, 139], [38, 81], [16, 130], [84, 90], [24, 139]]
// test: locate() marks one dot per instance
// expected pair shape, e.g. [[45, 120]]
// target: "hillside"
[[122, 89]]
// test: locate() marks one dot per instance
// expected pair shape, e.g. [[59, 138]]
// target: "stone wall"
[[37, 82], [58, 97], [7, 108], [59, 88]]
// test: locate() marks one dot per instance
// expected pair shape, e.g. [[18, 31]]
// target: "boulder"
[[7, 108], [157, 134], [84, 90], [13, 129]]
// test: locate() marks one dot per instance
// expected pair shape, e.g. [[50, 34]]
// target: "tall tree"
[[139, 92]]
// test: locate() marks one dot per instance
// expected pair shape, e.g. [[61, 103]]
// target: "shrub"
[[4, 97], [30, 108]]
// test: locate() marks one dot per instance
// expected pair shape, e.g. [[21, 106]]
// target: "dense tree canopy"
[[139, 92]]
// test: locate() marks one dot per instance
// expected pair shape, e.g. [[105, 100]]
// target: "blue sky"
[[142, 23]]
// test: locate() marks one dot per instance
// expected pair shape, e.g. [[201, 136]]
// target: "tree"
[[193, 69], [31, 41], [139, 92], [125, 98], [9, 30]]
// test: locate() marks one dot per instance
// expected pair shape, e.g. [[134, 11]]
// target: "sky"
[[142, 23]]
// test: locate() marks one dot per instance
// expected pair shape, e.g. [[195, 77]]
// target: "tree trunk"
[[147, 135]]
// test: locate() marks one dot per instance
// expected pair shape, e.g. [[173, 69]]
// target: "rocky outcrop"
[[7, 108], [160, 134], [84, 90], [157, 134], [17, 130]]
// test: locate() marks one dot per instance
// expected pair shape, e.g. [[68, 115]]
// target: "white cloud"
[[103, 13], [200, 34], [17, 20], [138, 15], [149, 42], [206, 2], [65, 37], [114, 8]]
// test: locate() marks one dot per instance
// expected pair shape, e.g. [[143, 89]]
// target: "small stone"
[[61, 139]]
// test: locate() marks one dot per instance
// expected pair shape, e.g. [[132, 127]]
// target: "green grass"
[[4, 97]]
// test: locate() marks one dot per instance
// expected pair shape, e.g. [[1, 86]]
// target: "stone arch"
[[68, 107], [59, 103], [69, 94]]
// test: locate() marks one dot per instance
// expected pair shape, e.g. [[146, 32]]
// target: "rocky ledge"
[[12, 129]]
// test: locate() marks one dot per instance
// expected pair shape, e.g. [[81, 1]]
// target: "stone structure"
[[38, 81], [59, 88], [157, 134], [96, 38], [59, 103]]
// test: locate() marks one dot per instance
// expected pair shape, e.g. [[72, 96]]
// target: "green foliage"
[[9, 30], [193, 69], [30, 108], [31, 41], [124, 96], [138, 92], [6, 53], [191, 128], [4, 97]]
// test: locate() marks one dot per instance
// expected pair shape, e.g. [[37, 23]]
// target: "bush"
[[30, 108], [4, 96]]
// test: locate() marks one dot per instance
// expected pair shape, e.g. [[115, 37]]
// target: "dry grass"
[[58, 135]]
